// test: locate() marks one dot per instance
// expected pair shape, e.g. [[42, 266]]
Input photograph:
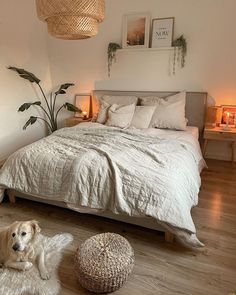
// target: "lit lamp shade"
[[213, 116]]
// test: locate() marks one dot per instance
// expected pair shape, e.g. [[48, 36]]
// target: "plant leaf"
[[71, 108], [64, 87], [25, 75], [31, 121], [62, 92], [27, 105]]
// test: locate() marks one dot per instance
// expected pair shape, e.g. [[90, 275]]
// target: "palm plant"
[[50, 111]]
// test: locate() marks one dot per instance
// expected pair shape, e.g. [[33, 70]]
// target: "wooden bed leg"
[[169, 237], [11, 196]]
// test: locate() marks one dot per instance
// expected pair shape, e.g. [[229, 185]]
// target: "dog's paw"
[[27, 266], [45, 275]]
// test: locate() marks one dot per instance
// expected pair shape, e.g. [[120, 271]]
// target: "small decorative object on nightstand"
[[73, 121], [84, 115], [221, 135], [85, 103], [228, 116]]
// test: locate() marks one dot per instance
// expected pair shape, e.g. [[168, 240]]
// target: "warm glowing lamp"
[[85, 115], [213, 116], [84, 102]]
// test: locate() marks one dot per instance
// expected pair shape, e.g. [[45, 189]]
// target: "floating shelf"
[[146, 49]]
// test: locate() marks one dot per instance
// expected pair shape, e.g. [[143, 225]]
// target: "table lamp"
[[213, 116]]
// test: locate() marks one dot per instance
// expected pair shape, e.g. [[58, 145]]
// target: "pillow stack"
[[118, 104], [120, 116], [123, 112], [154, 112]]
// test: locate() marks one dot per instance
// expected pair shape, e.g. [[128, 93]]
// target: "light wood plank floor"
[[160, 268]]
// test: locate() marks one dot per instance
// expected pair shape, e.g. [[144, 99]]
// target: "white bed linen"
[[194, 131], [149, 172]]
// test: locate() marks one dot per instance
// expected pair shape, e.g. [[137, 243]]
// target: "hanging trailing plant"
[[111, 55], [180, 52], [50, 111]]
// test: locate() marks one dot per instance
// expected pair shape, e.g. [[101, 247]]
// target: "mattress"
[[194, 131]]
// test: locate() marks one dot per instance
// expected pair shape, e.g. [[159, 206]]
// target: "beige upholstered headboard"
[[195, 103]]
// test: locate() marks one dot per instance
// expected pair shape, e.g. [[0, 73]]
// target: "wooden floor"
[[161, 268]]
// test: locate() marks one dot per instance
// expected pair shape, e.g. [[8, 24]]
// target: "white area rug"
[[13, 282]]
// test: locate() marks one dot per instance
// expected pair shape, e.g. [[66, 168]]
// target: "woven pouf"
[[104, 262]]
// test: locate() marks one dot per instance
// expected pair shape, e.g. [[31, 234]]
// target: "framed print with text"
[[162, 32]]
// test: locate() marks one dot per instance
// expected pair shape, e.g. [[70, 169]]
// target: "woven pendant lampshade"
[[71, 19]]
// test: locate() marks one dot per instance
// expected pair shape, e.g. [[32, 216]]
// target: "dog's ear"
[[35, 226]]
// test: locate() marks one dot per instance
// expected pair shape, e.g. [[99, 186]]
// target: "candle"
[[227, 115], [84, 115], [227, 118]]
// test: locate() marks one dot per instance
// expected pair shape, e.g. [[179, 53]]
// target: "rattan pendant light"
[[71, 19]]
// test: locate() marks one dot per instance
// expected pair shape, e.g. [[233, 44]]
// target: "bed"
[[120, 168]]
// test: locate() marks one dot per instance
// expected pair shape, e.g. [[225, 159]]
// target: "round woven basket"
[[104, 262], [71, 19]]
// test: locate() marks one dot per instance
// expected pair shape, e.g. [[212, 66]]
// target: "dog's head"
[[22, 233]]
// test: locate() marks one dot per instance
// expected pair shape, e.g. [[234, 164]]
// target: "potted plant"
[[180, 52], [111, 55], [50, 110]]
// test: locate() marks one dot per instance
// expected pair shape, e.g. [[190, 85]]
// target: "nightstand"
[[218, 133], [73, 121]]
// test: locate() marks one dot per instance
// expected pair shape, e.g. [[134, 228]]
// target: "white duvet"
[[135, 172]]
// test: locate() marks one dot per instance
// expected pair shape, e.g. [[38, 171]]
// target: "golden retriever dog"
[[20, 247]]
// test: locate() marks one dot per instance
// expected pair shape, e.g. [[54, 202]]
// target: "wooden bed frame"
[[140, 221], [195, 112]]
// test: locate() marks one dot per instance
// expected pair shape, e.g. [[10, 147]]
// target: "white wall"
[[209, 27], [23, 44]]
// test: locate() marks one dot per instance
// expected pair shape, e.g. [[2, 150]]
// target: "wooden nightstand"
[[218, 133], [70, 122]]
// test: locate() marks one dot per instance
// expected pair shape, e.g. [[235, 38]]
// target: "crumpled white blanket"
[[124, 171]]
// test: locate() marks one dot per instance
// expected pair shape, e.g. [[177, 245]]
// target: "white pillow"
[[103, 112], [120, 100], [169, 113], [107, 100], [120, 116], [150, 100], [142, 116]]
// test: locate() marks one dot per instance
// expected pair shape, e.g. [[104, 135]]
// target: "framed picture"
[[136, 28], [83, 101], [228, 114], [162, 32]]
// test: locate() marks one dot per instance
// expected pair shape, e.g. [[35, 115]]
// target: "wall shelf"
[[146, 49]]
